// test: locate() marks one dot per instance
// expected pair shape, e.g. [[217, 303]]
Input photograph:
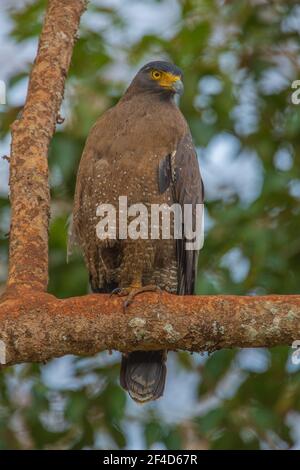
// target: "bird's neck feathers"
[[134, 91]]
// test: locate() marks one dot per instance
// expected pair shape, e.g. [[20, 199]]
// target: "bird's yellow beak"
[[172, 82]]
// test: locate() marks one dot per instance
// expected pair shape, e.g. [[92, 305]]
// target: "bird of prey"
[[141, 148]]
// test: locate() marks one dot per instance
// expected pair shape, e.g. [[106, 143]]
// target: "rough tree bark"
[[31, 134], [36, 326]]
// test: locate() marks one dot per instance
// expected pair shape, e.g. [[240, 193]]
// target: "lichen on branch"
[[36, 326]]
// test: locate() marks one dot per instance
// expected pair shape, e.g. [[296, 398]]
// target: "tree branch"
[[36, 326], [31, 134]]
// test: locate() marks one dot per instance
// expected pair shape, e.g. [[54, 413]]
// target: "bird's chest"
[[133, 176], [134, 155], [143, 137]]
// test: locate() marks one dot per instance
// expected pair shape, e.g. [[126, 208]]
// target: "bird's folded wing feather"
[[181, 171]]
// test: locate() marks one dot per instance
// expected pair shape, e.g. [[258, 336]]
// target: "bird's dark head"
[[158, 77]]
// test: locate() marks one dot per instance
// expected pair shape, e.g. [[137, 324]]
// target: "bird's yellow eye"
[[156, 75]]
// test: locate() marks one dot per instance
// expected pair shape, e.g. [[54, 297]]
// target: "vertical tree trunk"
[[31, 135]]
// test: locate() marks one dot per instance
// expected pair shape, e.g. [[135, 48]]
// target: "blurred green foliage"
[[241, 44]]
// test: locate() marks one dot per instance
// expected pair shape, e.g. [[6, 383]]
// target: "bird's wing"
[[180, 170], [82, 222]]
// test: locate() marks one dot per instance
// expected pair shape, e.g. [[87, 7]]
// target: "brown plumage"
[[141, 148]]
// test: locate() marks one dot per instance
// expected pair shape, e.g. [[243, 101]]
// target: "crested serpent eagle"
[[142, 149]]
